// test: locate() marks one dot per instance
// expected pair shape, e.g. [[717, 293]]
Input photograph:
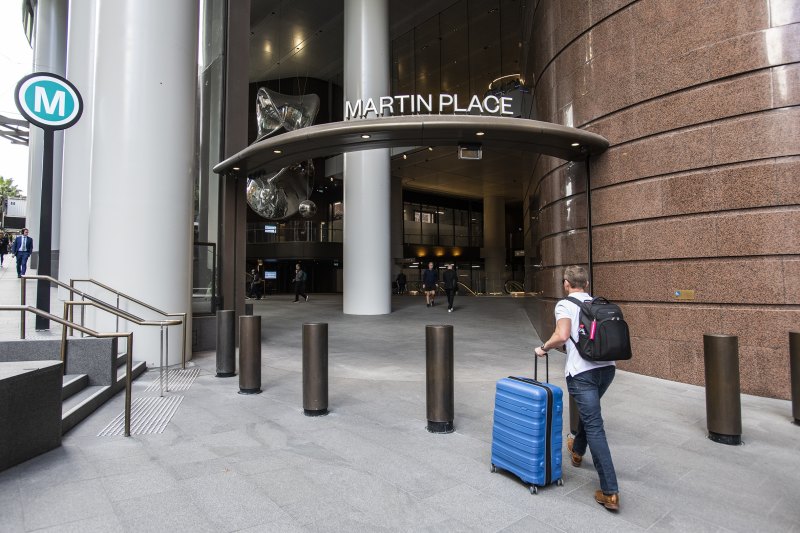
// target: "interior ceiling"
[[290, 38]]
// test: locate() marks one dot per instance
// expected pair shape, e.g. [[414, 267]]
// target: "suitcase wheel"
[[560, 483], [533, 489], [493, 469]]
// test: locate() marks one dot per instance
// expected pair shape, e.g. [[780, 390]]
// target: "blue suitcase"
[[526, 436]]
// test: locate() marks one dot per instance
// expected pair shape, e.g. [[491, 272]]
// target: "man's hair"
[[24, 230], [576, 276]]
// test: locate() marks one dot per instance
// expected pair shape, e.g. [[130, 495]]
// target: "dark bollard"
[[723, 395], [226, 344], [794, 364], [315, 369], [248, 309], [250, 354], [574, 416], [439, 378]]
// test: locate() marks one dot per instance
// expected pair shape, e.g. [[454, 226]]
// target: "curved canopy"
[[324, 140]]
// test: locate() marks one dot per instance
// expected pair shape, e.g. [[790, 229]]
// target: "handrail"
[[513, 286], [143, 304], [163, 380], [71, 325], [73, 291]]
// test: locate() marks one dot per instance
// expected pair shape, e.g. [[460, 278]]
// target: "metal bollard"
[[574, 416], [794, 364], [250, 354], [315, 369], [723, 394], [248, 309], [226, 344], [439, 378]]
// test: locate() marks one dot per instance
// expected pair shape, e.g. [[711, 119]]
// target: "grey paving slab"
[[231, 501], [466, 504], [167, 511], [96, 524], [144, 481], [680, 521], [11, 516], [527, 524], [45, 506]]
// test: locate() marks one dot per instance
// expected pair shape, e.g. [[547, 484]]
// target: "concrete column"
[[367, 187], [494, 242], [82, 33], [140, 223], [49, 55]]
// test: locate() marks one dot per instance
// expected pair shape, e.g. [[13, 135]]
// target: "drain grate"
[[178, 379], [149, 416]]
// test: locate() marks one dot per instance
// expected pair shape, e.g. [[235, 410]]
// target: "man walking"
[[429, 279], [299, 283], [587, 381], [22, 248], [450, 285]]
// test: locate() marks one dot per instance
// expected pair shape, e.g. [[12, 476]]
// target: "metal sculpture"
[[282, 194]]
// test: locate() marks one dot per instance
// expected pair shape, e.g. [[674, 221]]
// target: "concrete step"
[[91, 398], [72, 384]]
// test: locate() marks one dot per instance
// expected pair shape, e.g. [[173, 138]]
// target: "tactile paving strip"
[[149, 416], [177, 380]]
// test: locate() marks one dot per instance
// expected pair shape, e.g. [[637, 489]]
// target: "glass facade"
[[442, 226]]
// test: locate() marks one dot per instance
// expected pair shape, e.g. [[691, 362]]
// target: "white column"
[[494, 245], [367, 187], [140, 223], [49, 55], [75, 192]]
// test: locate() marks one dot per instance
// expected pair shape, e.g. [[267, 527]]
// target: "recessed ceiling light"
[[235, 168], [575, 144], [430, 148], [479, 134], [365, 136], [276, 151], [405, 156]]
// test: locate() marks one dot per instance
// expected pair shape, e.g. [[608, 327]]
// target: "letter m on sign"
[[41, 100]]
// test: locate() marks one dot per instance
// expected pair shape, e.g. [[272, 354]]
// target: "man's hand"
[[539, 352]]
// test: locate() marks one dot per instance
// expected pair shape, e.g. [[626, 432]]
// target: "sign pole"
[[53, 103], [45, 231]]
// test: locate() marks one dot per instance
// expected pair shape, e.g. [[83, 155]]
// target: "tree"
[[7, 190]]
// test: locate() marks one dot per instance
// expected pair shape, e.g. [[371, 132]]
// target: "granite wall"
[[700, 187]]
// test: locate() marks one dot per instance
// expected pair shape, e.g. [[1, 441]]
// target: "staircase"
[[79, 399]]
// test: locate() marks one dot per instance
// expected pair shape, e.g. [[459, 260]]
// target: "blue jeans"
[[587, 388], [22, 262]]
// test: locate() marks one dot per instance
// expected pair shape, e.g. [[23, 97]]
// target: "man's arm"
[[559, 337]]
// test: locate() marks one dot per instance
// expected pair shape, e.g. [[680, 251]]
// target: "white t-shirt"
[[575, 363]]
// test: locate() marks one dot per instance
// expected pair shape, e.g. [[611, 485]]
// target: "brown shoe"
[[576, 459], [609, 501]]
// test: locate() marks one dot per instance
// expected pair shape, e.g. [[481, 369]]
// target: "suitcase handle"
[[546, 367]]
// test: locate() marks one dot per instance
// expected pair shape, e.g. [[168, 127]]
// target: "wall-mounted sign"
[[417, 104], [48, 101], [683, 294]]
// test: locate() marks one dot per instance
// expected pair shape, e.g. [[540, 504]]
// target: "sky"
[[16, 60]]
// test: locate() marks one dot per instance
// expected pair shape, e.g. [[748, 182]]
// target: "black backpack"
[[602, 331]]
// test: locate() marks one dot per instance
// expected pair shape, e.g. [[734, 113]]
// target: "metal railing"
[[163, 363], [417, 286], [108, 308], [66, 324], [513, 286], [130, 298]]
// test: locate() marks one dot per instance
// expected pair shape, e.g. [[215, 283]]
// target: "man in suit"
[[22, 248]]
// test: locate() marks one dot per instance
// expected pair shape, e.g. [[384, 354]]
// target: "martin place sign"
[[418, 104]]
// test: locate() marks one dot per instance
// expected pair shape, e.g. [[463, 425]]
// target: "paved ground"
[[228, 462]]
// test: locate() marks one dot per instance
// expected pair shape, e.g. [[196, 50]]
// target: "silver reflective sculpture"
[[275, 111], [307, 209], [279, 195]]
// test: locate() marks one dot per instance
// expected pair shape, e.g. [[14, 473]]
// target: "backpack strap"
[[583, 307]]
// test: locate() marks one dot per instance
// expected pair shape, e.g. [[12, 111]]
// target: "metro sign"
[[48, 101]]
